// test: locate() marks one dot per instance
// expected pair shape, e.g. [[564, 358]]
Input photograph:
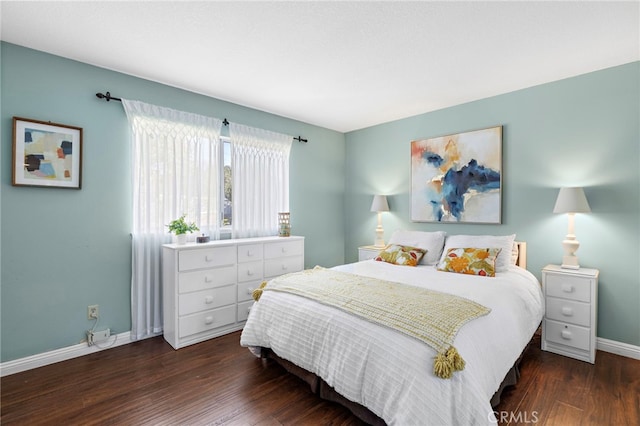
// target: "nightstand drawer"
[[568, 310], [568, 287], [567, 334], [368, 252]]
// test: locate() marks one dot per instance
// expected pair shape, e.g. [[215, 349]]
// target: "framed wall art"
[[46, 154], [457, 178]]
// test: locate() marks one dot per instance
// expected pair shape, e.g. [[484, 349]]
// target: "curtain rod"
[[107, 96]]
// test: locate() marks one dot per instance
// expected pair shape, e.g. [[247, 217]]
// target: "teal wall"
[[583, 131], [65, 249]]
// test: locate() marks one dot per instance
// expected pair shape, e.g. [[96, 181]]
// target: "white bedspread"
[[391, 373]]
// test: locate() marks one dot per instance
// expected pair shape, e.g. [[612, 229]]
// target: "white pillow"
[[503, 242], [432, 242]]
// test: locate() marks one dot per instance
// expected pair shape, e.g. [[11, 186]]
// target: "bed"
[[387, 376]]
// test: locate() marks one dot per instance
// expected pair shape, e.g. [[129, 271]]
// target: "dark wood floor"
[[218, 382]]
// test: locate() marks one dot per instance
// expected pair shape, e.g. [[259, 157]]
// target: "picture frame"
[[46, 154], [457, 178]]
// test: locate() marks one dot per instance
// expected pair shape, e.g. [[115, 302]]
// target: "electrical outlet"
[[97, 336], [92, 312]]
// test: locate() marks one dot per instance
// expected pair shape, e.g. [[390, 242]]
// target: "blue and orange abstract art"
[[457, 178]]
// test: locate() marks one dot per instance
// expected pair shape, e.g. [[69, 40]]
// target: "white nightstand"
[[368, 252], [570, 320]]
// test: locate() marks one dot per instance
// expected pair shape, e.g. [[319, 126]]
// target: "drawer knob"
[[284, 267], [208, 258], [250, 290], [567, 288], [207, 279], [208, 320], [567, 311], [249, 272], [284, 250], [249, 253], [566, 334], [208, 300]]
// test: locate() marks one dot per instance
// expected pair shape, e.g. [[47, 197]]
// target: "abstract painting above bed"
[[457, 178]]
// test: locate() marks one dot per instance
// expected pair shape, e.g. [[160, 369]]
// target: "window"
[[226, 179]]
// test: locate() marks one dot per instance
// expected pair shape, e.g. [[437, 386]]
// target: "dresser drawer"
[[245, 290], [207, 320], [243, 310], [284, 248], [208, 278], [206, 258], [568, 287], [567, 334], [568, 310], [250, 271], [249, 252], [206, 299], [275, 267]]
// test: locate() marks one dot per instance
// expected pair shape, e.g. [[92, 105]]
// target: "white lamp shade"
[[379, 204], [571, 200]]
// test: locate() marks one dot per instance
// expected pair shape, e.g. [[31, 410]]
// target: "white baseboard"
[[618, 348], [63, 354], [81, 349]]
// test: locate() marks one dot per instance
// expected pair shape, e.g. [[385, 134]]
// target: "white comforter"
[[391, 373]]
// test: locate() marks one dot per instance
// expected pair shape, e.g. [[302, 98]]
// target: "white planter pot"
[[181, 239]]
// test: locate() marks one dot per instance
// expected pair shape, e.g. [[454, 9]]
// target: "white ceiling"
[[339, 65]]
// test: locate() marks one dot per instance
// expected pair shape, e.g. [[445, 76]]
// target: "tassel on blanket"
[[447, 362], [258, 291]]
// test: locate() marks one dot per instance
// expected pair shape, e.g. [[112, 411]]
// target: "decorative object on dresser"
[[571, 201], [570, 320], [379, 205], [179, 227], [284, 224], [207, 287]]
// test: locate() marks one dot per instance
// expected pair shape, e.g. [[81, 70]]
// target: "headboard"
[[522, 254]]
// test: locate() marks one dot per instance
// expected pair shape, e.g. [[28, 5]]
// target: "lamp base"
[[570, 262], [379, 237]]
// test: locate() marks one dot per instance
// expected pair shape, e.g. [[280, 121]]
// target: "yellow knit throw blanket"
[[430, 316]]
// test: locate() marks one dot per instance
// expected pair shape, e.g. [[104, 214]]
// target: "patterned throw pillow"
[[401, 255], [472, 261]]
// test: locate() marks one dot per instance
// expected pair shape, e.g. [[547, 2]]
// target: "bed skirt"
[[326, 392]]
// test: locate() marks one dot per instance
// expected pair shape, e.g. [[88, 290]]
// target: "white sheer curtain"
[[175, 171], [260, 174]]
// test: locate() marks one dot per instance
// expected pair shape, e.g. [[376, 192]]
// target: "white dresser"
[[570, 321], [207, 287]]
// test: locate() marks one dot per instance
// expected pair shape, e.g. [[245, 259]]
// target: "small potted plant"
[[180, 227]]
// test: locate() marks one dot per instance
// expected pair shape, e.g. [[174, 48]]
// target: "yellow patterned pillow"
[[401, 255], [472, 261]]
